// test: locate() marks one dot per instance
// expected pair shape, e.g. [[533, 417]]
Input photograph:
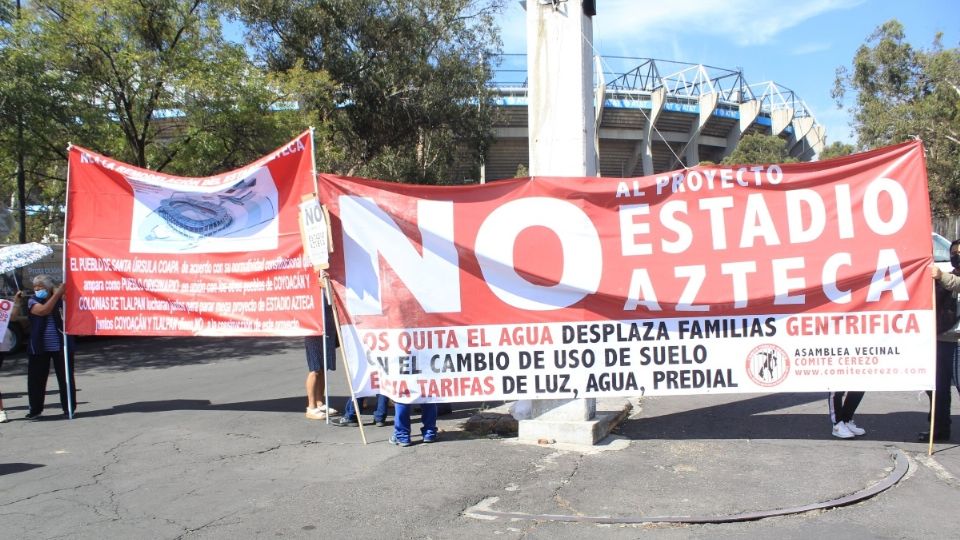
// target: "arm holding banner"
[[947, 285]]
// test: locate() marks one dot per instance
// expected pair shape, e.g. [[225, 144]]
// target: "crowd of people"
[[48, 344]]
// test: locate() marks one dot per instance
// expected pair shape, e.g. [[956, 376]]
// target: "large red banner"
[[793, 277], [154, 254]]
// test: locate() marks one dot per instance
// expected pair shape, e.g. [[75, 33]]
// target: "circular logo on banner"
[[768, 365]]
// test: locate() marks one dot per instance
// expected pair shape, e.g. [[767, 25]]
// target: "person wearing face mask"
[[948, 333], [46, 345]]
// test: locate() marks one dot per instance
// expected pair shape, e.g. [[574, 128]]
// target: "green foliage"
[[410, 92], [836, 149], [395, 89], [757, 149], [902, 93], [152, 83]]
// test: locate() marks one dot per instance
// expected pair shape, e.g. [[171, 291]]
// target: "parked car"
[[941, 253]]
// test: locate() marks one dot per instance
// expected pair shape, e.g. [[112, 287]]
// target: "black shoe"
[[33, 415], [343, 421], [942, 436]]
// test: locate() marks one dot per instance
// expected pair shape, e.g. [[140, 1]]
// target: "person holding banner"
[[46, 345], [317, 408], [948, 333]]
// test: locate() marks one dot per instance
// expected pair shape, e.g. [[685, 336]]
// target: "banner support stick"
[[67, 367], [346, 363], [326, 392], [933, 394], [933, 415]]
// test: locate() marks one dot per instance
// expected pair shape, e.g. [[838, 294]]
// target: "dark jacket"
[[38, 327], [946, 297]]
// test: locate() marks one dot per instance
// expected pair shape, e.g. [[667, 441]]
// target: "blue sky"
[[797, 44]]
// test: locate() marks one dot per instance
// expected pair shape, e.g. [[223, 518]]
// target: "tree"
[[836, 149], [757, 149], [410, 77], [153, 83], [902, 93]]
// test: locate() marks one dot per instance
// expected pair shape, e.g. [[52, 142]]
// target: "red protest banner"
[[791, 277], [153, 254]]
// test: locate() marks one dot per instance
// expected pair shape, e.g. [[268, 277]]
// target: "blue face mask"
[[41, 294]]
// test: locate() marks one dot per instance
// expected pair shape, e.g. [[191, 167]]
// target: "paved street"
[[206, 438]]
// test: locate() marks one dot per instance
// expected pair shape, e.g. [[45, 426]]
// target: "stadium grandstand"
[[658, 115]]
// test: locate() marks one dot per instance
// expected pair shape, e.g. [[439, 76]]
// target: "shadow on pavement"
[[106, 354], [13, 468], [293, 404], [756, 418]]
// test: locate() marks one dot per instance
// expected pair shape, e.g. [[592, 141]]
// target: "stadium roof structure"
[[658, 115]]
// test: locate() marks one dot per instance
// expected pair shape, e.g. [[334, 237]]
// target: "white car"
[[941, 253]]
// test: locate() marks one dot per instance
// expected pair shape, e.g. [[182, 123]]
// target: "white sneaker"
[[840, 430], [316, 414], [3, 416], [855, 429], [323, 407]]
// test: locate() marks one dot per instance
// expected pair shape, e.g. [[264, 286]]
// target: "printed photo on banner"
[[775, 278], [241, 216]]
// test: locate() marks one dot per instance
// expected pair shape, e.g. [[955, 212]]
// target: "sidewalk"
[[207, 439]]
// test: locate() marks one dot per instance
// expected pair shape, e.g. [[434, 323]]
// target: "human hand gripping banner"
[[154, 254], [779, 278]]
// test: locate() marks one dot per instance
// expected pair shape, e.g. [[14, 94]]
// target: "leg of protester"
[[401, 424], [38, 369], [315, 377], [843, 405], [60, 369], [351, 418], [380, 413], [428, 417], [946, 351]]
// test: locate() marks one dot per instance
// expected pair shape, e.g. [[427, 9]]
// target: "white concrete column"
[[817, 138], [801, 127], [749, 110], [562, 126], [780, 119], [644, 147], [561, 116], [708, 104]]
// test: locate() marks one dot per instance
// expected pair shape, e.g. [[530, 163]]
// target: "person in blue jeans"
[[401, 423], [349, 417]]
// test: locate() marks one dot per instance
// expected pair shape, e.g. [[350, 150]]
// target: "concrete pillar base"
[[563, 423]]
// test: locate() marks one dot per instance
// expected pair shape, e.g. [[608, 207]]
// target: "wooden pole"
[[933, 414], [933, 395], [346, 362]]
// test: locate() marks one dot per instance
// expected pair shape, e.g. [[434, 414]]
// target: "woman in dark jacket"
[[46, 345]]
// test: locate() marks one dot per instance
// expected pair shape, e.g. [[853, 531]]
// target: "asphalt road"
[[206, 438]]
